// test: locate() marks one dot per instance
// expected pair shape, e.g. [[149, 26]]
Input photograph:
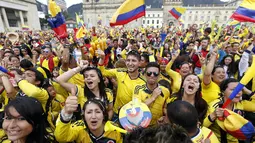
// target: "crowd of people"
[[71, 90]]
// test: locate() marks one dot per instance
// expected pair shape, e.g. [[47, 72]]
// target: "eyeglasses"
[[152, 73]]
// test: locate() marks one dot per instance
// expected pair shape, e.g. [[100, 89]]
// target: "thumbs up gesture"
[[71, 103]]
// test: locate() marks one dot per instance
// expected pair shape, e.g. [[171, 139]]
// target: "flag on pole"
[[79, 21], [177, 12], [245, 12], [128, 11], [81, 32], [57, 21]]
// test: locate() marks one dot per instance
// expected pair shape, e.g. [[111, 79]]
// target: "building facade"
[[200, 12], [16, 13], [101, 11], [153, 17]]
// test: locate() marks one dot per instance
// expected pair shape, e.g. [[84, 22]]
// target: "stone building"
[[153, 17], [96, 10], [16, 13], [200, 11]]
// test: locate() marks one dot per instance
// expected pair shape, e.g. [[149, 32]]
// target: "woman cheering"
[[94, 128], [94, 86]]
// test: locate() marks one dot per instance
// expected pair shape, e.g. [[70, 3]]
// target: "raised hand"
[[84, 64], [71, 103], [100, 53]]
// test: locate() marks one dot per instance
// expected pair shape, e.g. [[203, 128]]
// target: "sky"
[[68, 2]]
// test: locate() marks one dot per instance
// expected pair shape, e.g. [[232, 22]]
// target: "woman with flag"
[[237, 105]]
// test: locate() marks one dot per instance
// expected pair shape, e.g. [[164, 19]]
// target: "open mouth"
[[191, 88], [90, 83], [93, 123]]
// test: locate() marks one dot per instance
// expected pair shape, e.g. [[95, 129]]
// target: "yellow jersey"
[[57, 104], [157, 107], [67, 132], [83, 98], [126, 85], [175, 76], [45, 63], [77, 79], [203, 134], [210, 92], [238, 108]]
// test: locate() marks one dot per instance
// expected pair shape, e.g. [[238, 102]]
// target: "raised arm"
[[208, 70], [62, 79]]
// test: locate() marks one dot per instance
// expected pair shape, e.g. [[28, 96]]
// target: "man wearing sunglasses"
[[48, 60], [152, 94], [127, 79]]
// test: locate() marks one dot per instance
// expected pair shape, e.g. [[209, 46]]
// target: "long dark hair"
[[231, 67], [31, 109], [200, 103], [102, 107], [88, 93]]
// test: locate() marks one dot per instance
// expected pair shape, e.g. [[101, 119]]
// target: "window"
[[143, 21], [196, 11], [158, 15], [153, 15], [152, 21], [208, 17], [157, 21], [196, 18], [190, 17], [202, 17], [225, 18], [190, 12], [148, 15], [226, 11], [148, 21], [209, 11], [217, 18]]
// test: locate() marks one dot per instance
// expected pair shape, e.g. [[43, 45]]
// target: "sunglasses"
[[45, 51], [154, 73]]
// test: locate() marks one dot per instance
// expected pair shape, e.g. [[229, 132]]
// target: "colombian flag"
[[245, 12], [128, 11], [57, 21], [177, 12]]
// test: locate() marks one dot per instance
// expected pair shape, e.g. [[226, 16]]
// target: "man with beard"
[[127, 79], [151, 93]]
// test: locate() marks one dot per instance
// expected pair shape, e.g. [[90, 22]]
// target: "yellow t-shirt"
[[57, 105], [203, 134], [76, 79], [3, 100], [238, 108], [176, 78], [82, 98], [210, 92], [157, 107], [60, 90], [67, 132], [45, 62], [126, 85]]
